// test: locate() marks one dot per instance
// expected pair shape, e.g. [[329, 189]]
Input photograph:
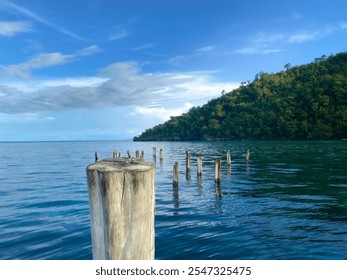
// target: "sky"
[[110, 69]]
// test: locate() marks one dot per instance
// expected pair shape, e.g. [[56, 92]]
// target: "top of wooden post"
[[120, 165]]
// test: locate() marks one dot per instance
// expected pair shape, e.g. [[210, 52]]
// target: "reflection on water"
[[289, 201]]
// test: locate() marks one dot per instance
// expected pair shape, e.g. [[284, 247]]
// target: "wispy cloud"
[[121, 31], [44, 60], [11, 28], [119, 84], [205, 49], [161, 113], [118, 33], [144, 47], [20, 10], [304, 36], [266, 43], [266, 38], [179, 59], [257, 50], [93, 49]]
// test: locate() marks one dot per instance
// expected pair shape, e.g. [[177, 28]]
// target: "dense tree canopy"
[[298, 103]]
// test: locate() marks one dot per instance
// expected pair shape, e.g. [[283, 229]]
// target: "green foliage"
[[302, 102]]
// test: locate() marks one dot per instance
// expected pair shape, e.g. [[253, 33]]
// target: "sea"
[[288, 202]]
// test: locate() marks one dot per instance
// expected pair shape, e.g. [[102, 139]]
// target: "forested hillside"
[[299, 103]]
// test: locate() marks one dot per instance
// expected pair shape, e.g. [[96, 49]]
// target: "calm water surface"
[[288, 202]]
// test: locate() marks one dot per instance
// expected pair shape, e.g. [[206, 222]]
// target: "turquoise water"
[[288, 202]]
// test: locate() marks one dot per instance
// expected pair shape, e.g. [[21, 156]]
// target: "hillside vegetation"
[[299, 103]]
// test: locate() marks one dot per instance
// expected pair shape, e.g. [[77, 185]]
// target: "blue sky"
[[109, 69]]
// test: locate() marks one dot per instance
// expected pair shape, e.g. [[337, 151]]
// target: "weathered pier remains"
[[217, 171], [199, 172], [122, 207], [175, 172], [188, 162]]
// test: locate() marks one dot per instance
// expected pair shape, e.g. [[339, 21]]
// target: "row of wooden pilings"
[[217, 167], [122, 203], [138, 155]]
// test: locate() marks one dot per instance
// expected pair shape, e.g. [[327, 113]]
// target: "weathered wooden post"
[[199, 166], [217, 171], [248, 154], [228, 157], [96, 156], [142, 154], [114, 155], [154, 153], [161, 156], [129, 155], [137, 154], [187, 162], [175, 173], [122, 206]]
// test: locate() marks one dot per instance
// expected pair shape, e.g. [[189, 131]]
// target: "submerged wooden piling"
[[199, 166], [228, 157], [175, 174], [217, 171], [161, 155], [122, 205], [187, 162], [248, 155], [154, 153]]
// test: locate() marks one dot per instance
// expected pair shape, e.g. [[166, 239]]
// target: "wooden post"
[[161, 155], [187, 162], [129, 155], [217, 171], [120, 155], [114, 154], [142, 155], [122, 206], [154, 153], [96, 156], [228, 157], [199, 166], [175, 173], [137, 154], [248, 155]]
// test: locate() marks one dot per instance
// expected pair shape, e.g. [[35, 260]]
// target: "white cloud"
[[118, 33], [43, 60], [266, 43], [144, 47], [119, 84], [11, 28], [177, 60], [93, 49], [205, 49], [272, 51], [11, 7], [266, 38], [161, 113], [247, 50], [304, 36]]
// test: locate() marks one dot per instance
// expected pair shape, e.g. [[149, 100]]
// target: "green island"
[[307, 102]]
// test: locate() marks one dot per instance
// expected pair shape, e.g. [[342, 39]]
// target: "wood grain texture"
[[122, 206]]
